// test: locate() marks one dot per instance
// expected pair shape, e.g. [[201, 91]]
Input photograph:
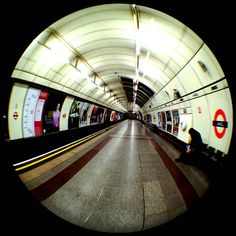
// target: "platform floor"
[[125, 180]]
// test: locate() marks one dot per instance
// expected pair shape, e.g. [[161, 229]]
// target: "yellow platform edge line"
[[58, 152]]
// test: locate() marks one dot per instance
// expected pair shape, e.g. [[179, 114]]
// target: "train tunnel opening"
[[100, 106]]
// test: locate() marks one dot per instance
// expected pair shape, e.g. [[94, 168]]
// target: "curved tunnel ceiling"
[[88, 52], [104, 44]]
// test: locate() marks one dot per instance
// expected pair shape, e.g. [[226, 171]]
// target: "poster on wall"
[[168, 122], [113, 116], [106, 116], [96, 115], [74, 116], [175, 115], [100, 115], [163, 120], [93, 118], [120, 116], [83, 114], [159, 120], [29, 112], [51, 116], [38, 123]]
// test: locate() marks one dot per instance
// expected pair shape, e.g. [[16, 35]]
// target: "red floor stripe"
[[188, 192], [52, 185]]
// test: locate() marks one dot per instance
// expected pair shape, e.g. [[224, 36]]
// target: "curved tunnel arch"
[[165, 100], [185, 62]]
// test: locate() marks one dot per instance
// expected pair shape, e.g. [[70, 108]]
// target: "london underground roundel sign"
[[220, 125]]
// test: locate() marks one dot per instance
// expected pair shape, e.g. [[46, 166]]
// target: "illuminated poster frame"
[[38, 123], [168, 122], [74, 115], [29, 111], [84, 114], [175, 115], [52, 113], [163, 120]]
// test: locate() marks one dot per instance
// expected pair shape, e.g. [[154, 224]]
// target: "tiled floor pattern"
[[129, 183]]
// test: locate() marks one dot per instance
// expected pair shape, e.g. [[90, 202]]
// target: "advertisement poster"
[[83, 114], [74, 116], [175, 115], [113, 116], [159, 120], [120, 116], [52, 113], [100, 113], [96, 115], [168, 121], [163, 120], [38, 123], [29, 112], [106, 116]]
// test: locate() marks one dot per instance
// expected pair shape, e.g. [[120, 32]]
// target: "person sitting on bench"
[[194, 149]]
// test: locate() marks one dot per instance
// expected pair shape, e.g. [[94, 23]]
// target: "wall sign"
[[219, 123], [15, 115]]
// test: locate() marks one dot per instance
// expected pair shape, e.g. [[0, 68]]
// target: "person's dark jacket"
[[196, 144]]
